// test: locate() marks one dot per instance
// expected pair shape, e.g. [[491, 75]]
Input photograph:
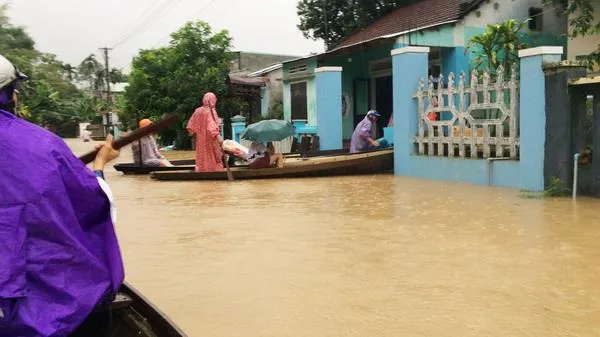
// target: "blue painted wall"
[[455, 60], [329, 109], [308, 77], [356, 66], [442, 36], [526, 173]]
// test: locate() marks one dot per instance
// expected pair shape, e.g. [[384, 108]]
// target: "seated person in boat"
[[149, 150], [260, 157], [59, 255], [362, 138]]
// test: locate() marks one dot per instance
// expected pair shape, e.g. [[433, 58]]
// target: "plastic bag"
[[235, 149]]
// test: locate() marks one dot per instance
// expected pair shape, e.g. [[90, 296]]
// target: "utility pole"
[[326, 25], [107, 74], [108, 114]]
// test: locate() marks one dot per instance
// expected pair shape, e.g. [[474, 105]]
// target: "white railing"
[[472, 119]]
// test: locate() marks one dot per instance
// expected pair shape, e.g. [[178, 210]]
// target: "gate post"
[[409, 65], [532, 113]]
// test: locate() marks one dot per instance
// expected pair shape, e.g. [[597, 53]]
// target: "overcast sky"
[[73, 29]]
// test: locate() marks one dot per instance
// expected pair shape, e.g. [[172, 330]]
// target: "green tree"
[[497, 46], [583, 21], [174, 78], [49, 97], [117, 76], [92, 72], [333, 20]]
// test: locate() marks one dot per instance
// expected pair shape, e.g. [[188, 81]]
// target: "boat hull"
[[188, 164], [130, 315], [349, 164]]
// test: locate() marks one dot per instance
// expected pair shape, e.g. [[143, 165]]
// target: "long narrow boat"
[[335, 165], [188, 164], [133, 315]]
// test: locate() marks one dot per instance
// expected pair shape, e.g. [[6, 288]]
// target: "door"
[[384, 102]]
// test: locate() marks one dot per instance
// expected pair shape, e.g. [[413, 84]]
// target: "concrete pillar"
[[409, 65], [560, 120], [238, 124], [532, 113], [328, 81]]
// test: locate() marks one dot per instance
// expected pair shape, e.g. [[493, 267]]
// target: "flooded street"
[[359, 256]]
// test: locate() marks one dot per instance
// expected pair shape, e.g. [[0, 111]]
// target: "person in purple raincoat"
[[59, 256], [362, 138]]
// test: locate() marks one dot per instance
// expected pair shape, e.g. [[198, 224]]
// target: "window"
[[537, 18], [299, 101]]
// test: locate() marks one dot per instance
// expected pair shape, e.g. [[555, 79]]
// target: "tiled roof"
[[426, 13]]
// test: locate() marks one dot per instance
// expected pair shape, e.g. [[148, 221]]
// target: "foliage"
[[116, 76], [583, 21], [174, 78], [334, 20], [497, 46], [49, 98], [554, 188]]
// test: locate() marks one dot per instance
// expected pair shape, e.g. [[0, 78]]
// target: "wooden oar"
[[229, 174], [132, 137]]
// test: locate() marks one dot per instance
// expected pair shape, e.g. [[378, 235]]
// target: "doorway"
[[383, 101]]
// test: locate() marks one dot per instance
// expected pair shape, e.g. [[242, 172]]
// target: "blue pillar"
[[264, 102], [532, 113], [409, 65], [238, 124], [328, 82]]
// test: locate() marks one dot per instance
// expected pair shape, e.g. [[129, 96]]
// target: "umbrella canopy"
[[271, 130]]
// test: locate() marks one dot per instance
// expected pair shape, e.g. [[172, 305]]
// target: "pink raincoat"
[[204, 124]]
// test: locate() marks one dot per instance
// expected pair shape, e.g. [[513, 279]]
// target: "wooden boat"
[[133, 315], [334, 165], [188, 164]]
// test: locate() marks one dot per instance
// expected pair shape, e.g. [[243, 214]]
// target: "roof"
[[266, 70], [244, 80], [423, 14]]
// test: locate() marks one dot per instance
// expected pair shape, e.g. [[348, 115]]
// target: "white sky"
[[73, 29]]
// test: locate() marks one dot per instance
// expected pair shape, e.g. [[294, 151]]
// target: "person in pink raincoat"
[[205, 126]]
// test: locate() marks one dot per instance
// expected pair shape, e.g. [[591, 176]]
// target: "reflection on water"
[[366, 256]]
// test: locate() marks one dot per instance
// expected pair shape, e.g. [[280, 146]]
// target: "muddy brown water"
[[359, 256]]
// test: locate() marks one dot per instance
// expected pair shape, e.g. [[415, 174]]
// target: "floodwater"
[[359, 256]]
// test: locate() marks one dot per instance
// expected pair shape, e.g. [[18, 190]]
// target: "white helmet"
[[8, 73]]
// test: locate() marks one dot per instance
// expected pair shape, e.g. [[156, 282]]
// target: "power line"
[[165, 38], [138, 21], [168, 6]]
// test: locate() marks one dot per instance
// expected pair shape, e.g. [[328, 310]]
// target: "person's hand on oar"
[[106, 154]]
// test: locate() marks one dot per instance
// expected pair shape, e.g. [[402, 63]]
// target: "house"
[[365, 63], [581, 46], [246, 62], [272, 92]]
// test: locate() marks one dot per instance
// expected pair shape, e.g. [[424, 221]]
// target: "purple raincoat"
[[362, 131], [59, 255]]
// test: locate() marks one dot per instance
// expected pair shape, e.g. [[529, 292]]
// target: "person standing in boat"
[[362, 138], [59, 255], [149, 150], [204, 125]]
